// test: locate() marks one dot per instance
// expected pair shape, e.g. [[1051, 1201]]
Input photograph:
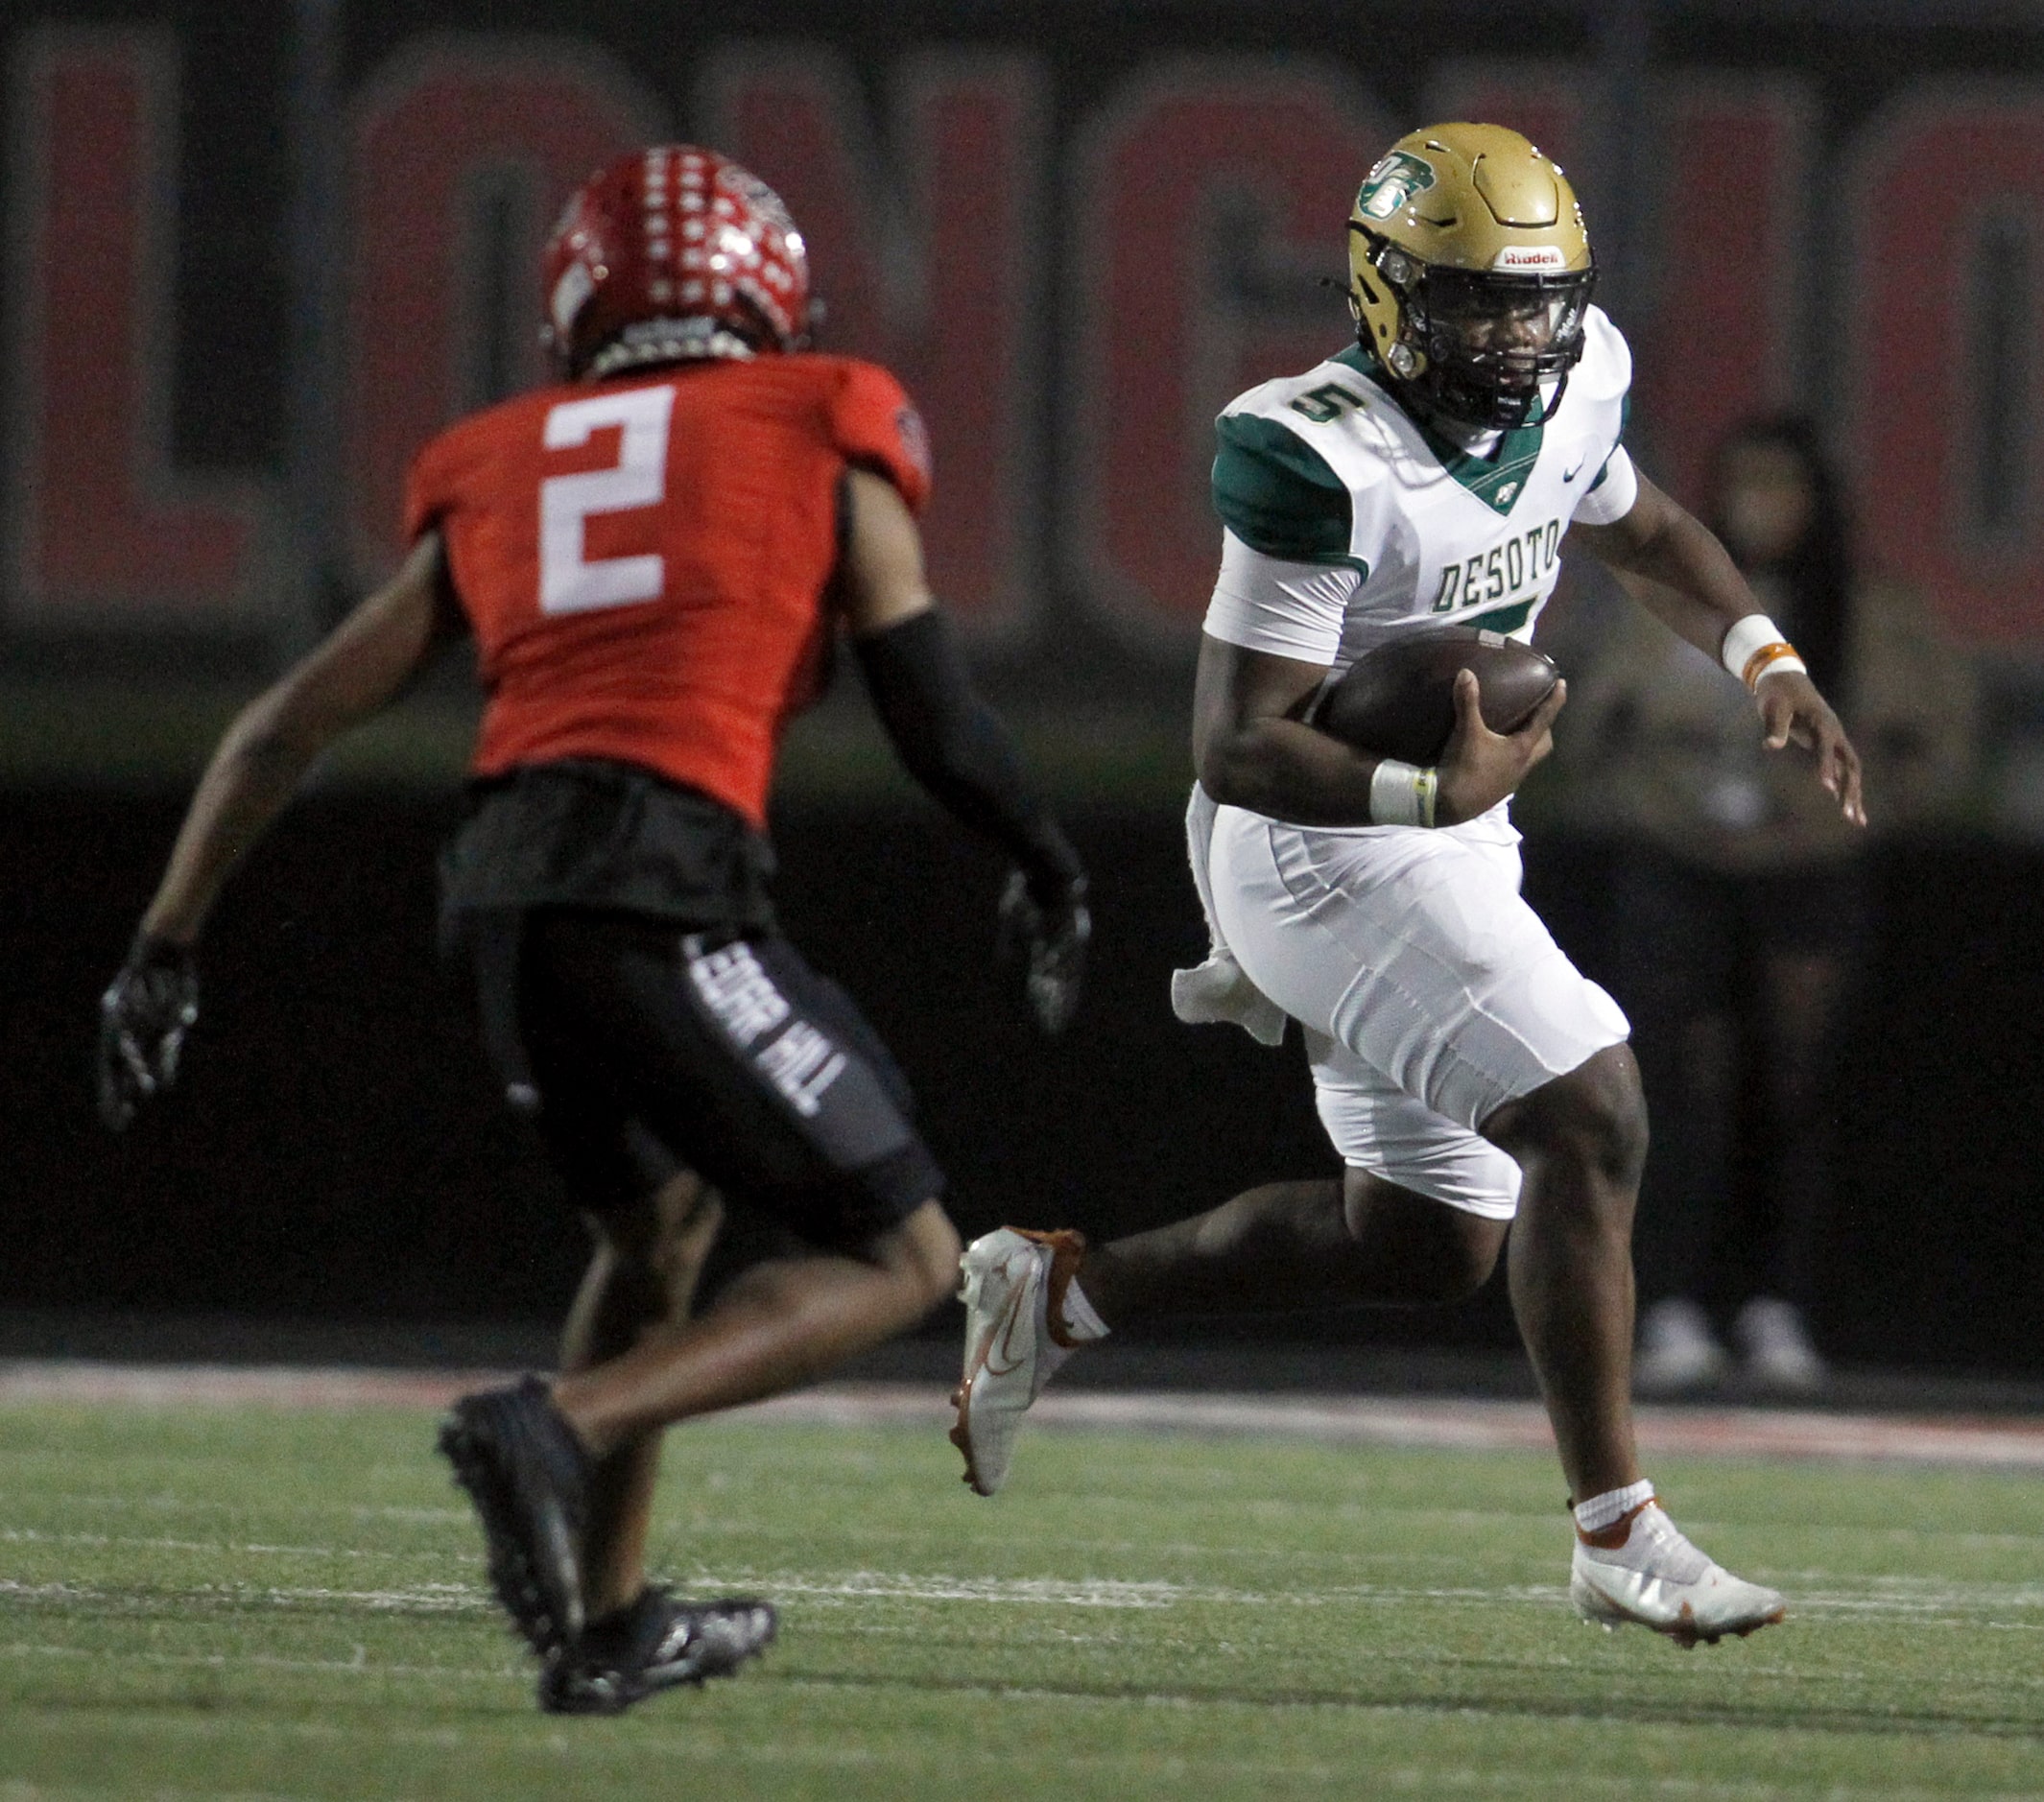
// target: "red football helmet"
[[673, 251]]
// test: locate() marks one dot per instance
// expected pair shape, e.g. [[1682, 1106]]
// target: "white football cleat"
[[1641, 1570], [1011, 1277]]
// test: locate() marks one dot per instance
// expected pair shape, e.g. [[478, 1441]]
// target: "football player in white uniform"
[[1470, 1077]]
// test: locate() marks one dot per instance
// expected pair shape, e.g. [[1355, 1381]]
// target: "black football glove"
[[144, 1016], [1047, 920]]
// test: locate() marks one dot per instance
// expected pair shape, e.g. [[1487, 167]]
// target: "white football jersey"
[[1349, 520]]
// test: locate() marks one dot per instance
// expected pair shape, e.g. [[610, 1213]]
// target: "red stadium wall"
[[1074, 246], [106, 528]]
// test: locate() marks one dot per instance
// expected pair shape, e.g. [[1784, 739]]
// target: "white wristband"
[[1755, 647], [1402, 794]]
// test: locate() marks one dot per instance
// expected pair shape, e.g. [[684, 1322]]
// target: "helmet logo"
[[1392, 183], [1532, 256]]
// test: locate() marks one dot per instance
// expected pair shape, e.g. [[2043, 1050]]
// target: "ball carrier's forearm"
[[1252, 750], [1286, 771], [1672, 565]]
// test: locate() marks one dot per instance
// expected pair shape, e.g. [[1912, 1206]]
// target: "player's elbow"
[[1236, 768]]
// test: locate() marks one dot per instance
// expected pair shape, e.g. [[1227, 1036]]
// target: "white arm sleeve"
[[1610, 498], [1285, 609]]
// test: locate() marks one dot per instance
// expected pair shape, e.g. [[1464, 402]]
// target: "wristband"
[[1754, 647], [1402, 794]]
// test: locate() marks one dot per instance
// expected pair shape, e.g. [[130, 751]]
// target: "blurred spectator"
[[1741, 905]]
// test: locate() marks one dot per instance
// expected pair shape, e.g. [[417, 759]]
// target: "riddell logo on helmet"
[[1532, 256]]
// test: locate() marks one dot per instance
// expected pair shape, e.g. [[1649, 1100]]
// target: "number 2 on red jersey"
[[569, 580]]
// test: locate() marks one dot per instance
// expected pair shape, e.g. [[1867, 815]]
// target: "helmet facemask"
[[1476, 345]]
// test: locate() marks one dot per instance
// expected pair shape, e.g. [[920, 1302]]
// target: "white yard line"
[[2010, 1442], [1883, 1599]]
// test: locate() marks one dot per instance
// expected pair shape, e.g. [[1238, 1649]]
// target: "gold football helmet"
[[1471, 273]]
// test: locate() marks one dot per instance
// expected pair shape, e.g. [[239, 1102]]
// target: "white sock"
[[1080, 1321], [1601, 1510]]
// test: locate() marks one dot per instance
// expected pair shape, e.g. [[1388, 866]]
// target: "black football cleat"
[[529, 1478], [649, 1644]]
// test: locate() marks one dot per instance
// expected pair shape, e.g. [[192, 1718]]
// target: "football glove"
[[1047, 922], [144, 1016]]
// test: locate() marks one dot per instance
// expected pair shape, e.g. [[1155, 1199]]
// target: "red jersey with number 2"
[[644, 559]]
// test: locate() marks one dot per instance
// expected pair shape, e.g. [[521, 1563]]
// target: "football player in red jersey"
[[653, 558]]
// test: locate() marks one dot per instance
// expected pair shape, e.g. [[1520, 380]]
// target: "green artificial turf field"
[[205, 1601]]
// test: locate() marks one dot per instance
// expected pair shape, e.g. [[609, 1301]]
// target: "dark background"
[[336, 1149], [336, 1146]]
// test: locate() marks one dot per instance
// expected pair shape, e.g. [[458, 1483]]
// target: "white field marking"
[[1446, 1422], [1962, 1603], [427, 1597], [1921, 1600], [205, 1504], [1089, 1593], [37, 1535], [361, 1665], [1903, 1596], [851, 1586]]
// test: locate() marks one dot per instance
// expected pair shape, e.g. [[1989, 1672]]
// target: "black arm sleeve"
[[955, 745]]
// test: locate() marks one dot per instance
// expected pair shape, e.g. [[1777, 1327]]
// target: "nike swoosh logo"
[[1001, 1342], [1575, 472]]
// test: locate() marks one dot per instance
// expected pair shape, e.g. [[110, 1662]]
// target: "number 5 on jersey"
[[569, 580]]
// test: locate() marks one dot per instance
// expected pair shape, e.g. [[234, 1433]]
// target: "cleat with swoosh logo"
[[1011, 1280], [1641, 1570]]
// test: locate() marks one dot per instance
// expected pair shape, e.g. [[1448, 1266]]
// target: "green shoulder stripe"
[[1277, 495]]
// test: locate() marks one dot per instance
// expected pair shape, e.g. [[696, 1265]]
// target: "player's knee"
[[1606, 1113], [1595, 1115]]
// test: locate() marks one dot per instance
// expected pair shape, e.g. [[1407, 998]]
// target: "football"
[[1398, 701]]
